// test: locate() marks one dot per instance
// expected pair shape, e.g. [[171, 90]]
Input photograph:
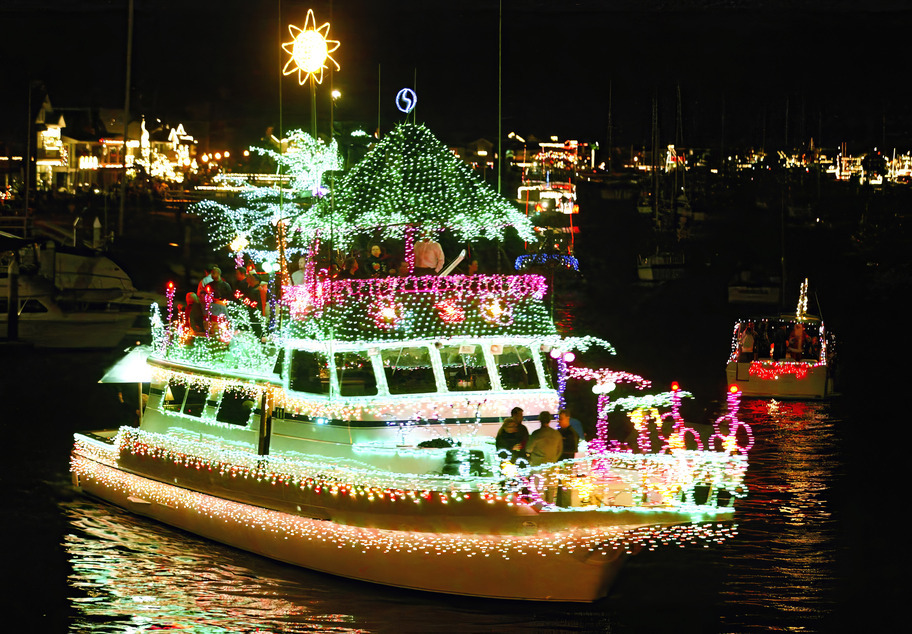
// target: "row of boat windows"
[[233, 407], [410, 370], [404, 370]]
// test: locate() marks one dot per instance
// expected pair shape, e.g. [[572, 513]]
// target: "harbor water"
[[819, 543]]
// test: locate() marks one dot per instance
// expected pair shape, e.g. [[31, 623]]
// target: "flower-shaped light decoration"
[[495, 310], [309, 50], [387, 314], [449, 311]]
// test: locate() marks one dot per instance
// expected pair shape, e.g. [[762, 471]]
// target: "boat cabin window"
[[464, 368], [27, 306], [355, 374], [235, 407], [408, 370], [309, 372], [184, 399], [517, 368]]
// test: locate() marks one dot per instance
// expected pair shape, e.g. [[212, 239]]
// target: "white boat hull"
[[814, 385], [538, 567]]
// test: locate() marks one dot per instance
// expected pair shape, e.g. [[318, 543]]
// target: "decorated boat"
[[350, 428], [783, 356]]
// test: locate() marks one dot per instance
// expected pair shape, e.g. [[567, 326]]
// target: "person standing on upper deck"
[[428, 256]]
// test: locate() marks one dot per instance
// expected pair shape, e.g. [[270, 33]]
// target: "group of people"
[[213, 293], [544, 445], [764, 341], [429, 259]]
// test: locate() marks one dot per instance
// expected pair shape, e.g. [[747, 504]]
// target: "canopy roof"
[[409, 180]]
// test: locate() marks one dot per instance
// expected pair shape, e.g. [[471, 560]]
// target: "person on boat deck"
[[570, 445], [351, 270], [545, 443], [796, 342], [252, 288], [377, 263], [513, 434], [814, 348], [747, 344], [779, 339], [214, 274], [428, 256], [762, 342], [216, 295], [297, 277], [572, 423], [196, 318]]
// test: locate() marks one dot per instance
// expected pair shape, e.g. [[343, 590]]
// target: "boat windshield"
[[464, 368], [184, 399], [309, 372], [408, 370], [235, 407], [355, 373], [517, 368]]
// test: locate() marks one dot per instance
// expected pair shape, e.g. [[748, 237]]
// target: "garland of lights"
[[546, 259], [286, 526], [769, 371], [650, 480]]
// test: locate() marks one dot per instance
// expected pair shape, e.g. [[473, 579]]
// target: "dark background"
[[750, 74]]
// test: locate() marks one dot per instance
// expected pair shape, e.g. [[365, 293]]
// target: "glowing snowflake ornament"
[[309, 50]]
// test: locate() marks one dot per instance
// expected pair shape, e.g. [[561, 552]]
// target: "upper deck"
[[405, 308]]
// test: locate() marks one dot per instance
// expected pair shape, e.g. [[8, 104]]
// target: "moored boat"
[[355, 433], [70, 297]]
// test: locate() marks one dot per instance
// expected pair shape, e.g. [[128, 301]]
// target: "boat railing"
[[319, 291]]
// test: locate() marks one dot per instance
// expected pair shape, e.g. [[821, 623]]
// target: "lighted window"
[[517, 368], [235, 407], [464, 368], [408, 370], [309, 372], [355, 374], [184, 399]]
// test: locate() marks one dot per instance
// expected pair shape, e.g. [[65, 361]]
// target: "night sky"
[[746, 75]]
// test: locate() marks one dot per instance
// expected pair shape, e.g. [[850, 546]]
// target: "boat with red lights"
[[789, 356], [351, 428]]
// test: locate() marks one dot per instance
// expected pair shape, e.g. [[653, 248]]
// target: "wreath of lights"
[[449, 311], [546, 259], [495, 310], [388, 314]]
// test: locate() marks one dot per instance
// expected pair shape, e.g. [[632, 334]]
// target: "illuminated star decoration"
[[309, 50]]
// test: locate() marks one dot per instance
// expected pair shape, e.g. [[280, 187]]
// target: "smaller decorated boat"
[[783, 356]]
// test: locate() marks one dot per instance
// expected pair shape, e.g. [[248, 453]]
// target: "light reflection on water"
[[779, 572], [131, 574], [783, 567]]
